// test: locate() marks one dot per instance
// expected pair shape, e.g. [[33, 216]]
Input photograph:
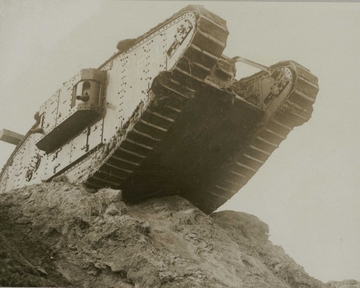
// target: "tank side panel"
[[26, 167], [49, 110], [95, 134], [8, 179], [4, 179], [60, 158], [65, 99], [131, 74]]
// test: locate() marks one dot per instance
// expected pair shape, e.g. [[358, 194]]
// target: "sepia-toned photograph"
[[179, 144]]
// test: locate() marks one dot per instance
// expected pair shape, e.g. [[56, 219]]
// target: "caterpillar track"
[[165, 116]]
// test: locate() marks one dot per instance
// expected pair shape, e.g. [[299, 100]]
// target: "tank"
[[165, 115]]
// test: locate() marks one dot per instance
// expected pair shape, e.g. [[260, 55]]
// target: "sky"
[[308, 190]]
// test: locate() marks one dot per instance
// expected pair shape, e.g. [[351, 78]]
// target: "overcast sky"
[[308, 190]]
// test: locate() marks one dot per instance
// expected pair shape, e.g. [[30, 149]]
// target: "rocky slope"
[[58, 234]]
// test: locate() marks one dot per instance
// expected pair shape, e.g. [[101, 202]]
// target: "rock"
[[112, 210], [112, 195], [41, 270], [123, 285], [61, 178]]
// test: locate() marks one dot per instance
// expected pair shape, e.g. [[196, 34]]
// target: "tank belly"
[[195, 149]]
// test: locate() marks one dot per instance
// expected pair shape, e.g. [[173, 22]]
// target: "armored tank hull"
[[165, 116]]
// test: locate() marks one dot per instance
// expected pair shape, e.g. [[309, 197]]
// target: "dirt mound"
[[58, 234]]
